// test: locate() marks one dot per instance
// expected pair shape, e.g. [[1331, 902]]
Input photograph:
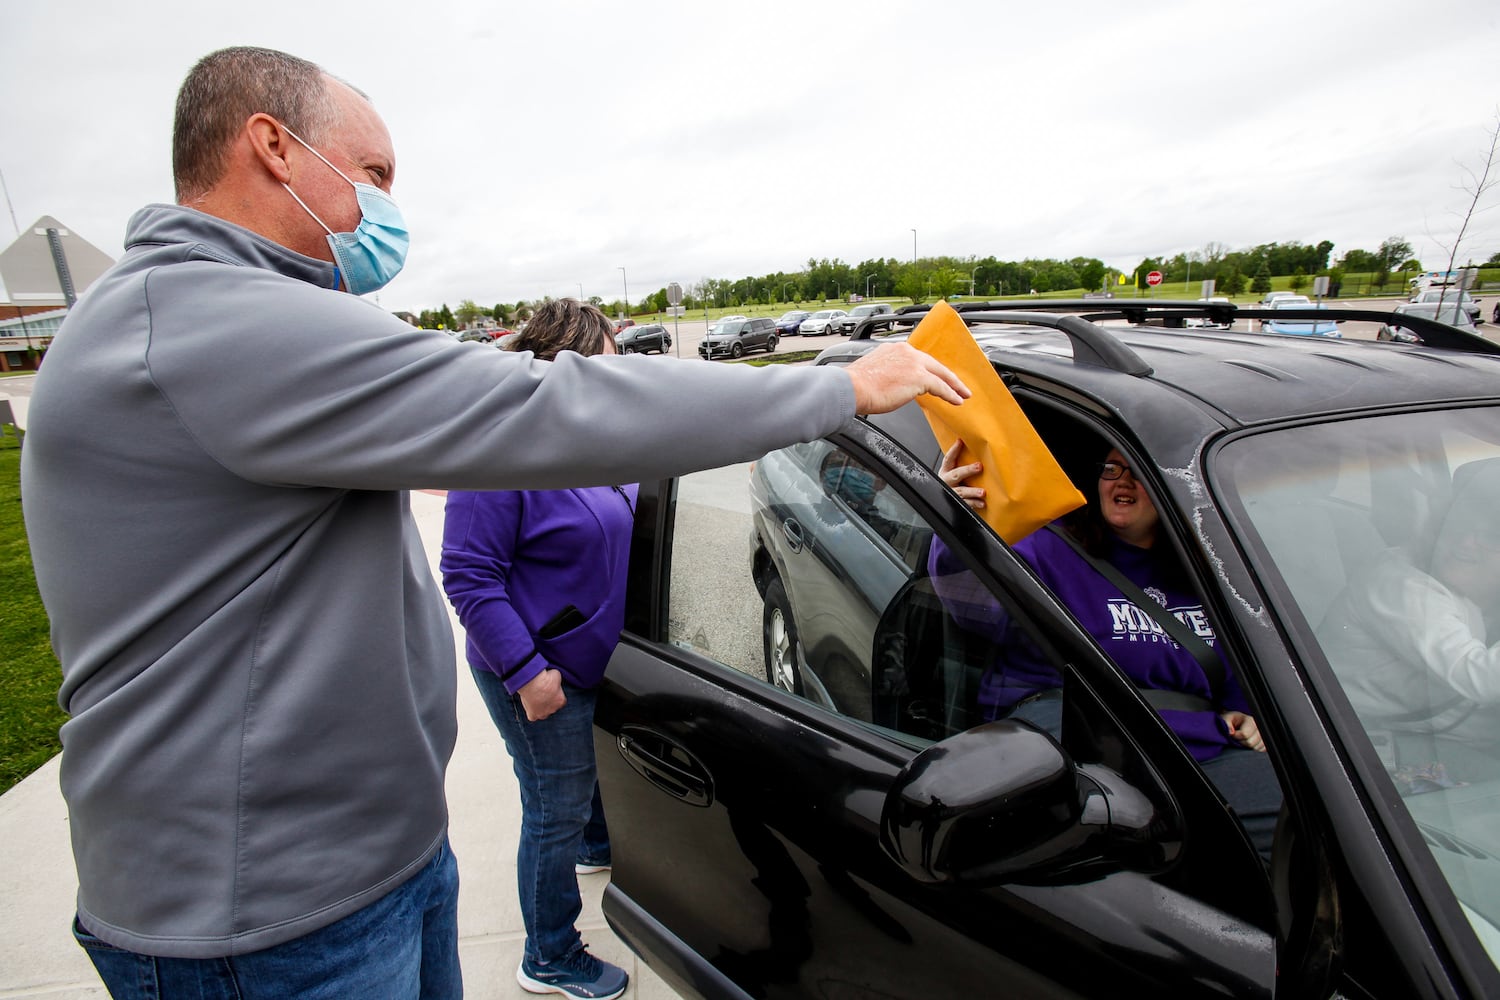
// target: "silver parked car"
[[817, 324], [846, 324]]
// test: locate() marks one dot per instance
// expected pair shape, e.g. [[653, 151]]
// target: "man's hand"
[[895, 374], [542, 695]]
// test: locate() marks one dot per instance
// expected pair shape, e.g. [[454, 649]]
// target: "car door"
[[768, 845]]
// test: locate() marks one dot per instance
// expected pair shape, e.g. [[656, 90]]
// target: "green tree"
[[468, 311], [1061, 277], [912, 283], [1091, 275], [946, 281], [1231, 280], [1392, 252], [1335, 281], [1262, 283], [1299, 280]]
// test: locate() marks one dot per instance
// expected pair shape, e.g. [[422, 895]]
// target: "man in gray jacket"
[[258, 665]]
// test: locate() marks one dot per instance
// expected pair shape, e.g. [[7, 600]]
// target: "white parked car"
[[817, 324]]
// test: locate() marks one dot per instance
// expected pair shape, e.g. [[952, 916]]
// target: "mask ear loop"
[[337, 271]]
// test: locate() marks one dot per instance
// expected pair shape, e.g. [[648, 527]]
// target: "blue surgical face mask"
[[375, 252]]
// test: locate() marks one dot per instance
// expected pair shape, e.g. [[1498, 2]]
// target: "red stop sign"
[[1154, 278]]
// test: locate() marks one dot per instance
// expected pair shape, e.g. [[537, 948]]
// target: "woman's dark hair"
[[1087, 525], [565, 325]]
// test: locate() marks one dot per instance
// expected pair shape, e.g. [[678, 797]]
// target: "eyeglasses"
[[1113, 470]]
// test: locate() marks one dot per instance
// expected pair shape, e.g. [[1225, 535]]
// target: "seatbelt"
[[1208, 660]]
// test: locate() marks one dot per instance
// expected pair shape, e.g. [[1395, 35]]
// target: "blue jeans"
[[403, 945], [562, 818]]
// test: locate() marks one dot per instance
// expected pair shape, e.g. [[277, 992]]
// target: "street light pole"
[[913, 246], [626, 286], [580, 291], [867, 284]]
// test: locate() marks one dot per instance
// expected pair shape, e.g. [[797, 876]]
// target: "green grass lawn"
[[29, 675]]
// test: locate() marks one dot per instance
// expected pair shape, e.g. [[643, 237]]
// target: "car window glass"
[[1384, 531], [809, 571]]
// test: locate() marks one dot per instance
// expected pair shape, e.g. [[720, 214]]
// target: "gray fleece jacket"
[[258, 665]]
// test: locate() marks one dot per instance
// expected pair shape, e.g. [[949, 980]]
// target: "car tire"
[[770, 345], [736, 350], [779, 640]]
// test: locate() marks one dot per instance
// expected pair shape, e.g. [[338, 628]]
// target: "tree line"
[[1233, 272]]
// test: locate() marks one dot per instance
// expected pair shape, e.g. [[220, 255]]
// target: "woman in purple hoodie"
[[1119, 526], [538, 580]]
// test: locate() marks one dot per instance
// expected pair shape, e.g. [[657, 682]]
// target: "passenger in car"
[[1410, 643], [1118, 528]]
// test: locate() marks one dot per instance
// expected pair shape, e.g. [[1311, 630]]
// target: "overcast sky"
[[543, 146]]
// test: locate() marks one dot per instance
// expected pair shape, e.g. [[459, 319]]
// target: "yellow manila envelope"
[[1024, 487]]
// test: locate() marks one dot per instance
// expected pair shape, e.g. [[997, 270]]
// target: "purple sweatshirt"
[[513, 560], [1129, 636]]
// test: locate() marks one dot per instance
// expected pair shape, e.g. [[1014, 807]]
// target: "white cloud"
[[542, 147]]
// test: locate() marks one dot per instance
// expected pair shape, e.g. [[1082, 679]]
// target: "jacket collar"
[[209, 237]]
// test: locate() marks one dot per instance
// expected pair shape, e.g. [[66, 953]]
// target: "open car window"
[[810, 571]]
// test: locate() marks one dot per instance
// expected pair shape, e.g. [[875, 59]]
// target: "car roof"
[[1241, 378]]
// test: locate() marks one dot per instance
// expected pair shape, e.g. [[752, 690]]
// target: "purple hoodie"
[[513, 560], [1129, 636]]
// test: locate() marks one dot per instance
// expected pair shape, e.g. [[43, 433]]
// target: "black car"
[[803, 801], [733, 337], [643, 339]]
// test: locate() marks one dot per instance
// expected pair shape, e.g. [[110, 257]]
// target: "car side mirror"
[[1004, 802]]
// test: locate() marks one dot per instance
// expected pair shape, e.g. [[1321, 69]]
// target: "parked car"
[[643, 339], [624, 324], [1270, 299], [846, 324], [817, 324], [1301, 319], [1450, 312], [1209, 322], [733, 337], [1469, 303], [483, 336], [789, 323], [802, 802]]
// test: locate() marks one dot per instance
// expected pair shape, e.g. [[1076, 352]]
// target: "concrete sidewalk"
[[39, 959]]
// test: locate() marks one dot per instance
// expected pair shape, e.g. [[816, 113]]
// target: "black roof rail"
[[1172, 314], [1091, 344]]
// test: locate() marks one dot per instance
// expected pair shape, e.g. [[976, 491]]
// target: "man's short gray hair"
[[223, 90]]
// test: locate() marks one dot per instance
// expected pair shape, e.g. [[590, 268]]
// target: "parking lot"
[[687, 333]]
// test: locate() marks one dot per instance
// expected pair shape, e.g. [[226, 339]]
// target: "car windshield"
[[1292, 302], [729, 328], [792, 317], [823, 314], [1446, 295], [1382, 530]]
